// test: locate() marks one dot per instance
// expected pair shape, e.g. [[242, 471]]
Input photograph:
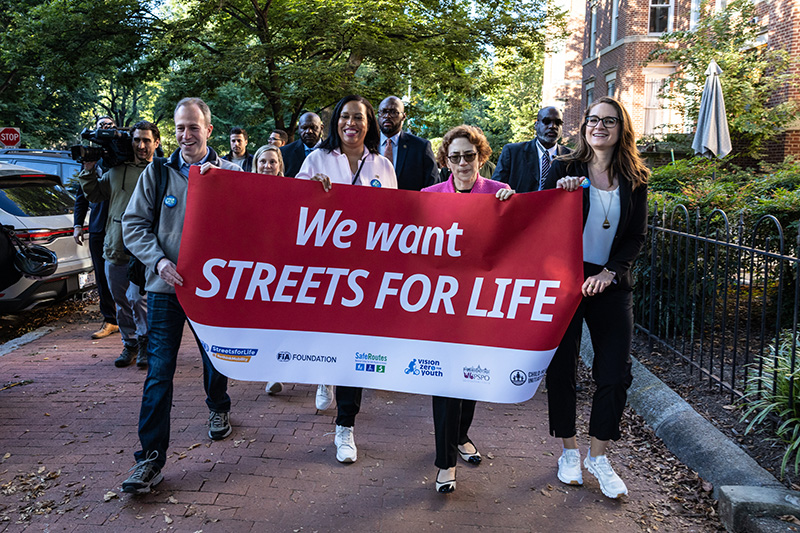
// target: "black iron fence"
[[720, 295]]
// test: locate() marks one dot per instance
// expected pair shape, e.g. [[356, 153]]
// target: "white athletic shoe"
[[273, 387], [569, 467], [610, 483], [325, 397], [346, 451]]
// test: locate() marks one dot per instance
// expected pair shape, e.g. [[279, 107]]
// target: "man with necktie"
[[310, 128], [524, 166], [411, 156]]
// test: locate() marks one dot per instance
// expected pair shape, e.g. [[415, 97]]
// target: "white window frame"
[[694, 17], [670, 16], [593, 31], [611, 81], [614, 21]]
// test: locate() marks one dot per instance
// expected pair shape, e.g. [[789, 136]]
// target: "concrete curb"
[[744, 489], [13, 344]]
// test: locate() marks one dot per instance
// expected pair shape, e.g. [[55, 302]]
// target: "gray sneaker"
[[219, 424], [141, 358], [127, 356], [145, 475]]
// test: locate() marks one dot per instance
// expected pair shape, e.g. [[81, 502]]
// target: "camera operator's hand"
[[89, 165], [78, 235], [167, 271]]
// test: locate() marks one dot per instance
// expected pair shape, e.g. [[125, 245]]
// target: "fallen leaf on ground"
[[110, 495]]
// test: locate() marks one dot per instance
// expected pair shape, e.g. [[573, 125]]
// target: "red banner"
[[281, 255]]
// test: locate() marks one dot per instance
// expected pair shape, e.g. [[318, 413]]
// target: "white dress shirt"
[[376, 170]]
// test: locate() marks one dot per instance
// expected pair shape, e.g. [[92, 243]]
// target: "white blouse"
[[376, 170], [603, 205]]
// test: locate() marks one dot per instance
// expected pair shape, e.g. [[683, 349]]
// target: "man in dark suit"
[[411, 156], [310, 128], [524, 166]]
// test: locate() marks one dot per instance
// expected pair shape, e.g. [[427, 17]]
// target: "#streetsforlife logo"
[[236, 355]]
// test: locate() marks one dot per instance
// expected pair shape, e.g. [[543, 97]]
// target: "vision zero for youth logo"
[[424, 367], [519, 377], [370, 362]]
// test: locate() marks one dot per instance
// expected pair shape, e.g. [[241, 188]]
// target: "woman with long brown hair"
[[606, 163]]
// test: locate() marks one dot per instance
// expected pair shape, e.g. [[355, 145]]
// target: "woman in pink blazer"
[[464, 150]]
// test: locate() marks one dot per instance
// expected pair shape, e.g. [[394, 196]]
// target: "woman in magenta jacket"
[[464, 150]]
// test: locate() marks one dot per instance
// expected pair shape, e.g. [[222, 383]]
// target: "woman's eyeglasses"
[[469, 157], [608, 122]]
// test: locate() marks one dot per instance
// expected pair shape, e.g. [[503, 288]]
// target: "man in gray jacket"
[[117, 186], [157, 247]]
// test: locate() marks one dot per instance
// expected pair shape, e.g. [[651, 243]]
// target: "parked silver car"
[[40, 209]]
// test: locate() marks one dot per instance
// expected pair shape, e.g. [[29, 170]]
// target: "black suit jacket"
[[293, 156], [632, 229], [519, 165], [416, 166]]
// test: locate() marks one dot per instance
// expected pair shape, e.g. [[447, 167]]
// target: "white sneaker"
[[569, 467], [610, 483], [273, 387], [346, 451], [325, 397]]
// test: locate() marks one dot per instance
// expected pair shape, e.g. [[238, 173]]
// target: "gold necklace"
[[606, 223]]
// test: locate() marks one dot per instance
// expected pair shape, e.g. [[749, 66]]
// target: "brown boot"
[[105, 331]]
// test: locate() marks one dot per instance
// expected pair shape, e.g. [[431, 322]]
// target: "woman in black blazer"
[[607, 165]]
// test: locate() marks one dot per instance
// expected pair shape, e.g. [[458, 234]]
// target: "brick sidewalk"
[[68, 438]]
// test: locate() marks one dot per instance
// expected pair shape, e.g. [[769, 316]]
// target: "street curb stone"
[[748, 495]]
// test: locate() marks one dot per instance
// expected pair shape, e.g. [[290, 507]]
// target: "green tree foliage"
[[751, 76], [52, 51], [306, 54]]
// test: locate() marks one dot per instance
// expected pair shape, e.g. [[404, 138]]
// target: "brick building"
[[606, 53]]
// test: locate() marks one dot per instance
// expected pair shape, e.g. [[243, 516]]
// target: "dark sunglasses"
[[556, 121], [469, 157]]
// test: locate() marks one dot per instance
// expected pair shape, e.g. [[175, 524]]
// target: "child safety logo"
[[424, 367], [477, 374], [236, 355], [370, 362]]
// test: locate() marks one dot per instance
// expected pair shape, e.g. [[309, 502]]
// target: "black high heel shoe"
[[471, 458], [448, 486]]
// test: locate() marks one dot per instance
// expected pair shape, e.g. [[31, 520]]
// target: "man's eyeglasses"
[[608, 122], [469, 157], [391, 113], [556, 121]]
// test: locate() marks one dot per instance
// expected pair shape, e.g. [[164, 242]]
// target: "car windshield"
[[35, 199]]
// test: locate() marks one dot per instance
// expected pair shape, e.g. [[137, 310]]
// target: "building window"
[[589, 91], [611, 84], [660, 16], [614, 20], [593, 32], [659, 117], [694, 16]]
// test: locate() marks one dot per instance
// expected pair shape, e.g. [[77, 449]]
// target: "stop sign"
[[9, 137]]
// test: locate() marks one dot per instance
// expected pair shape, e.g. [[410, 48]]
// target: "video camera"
[[114, 148]]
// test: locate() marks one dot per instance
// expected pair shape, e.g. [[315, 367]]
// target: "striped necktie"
[[387, 152], [545, 168]]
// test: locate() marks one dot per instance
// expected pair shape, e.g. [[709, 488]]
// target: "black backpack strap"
[[161, 189]]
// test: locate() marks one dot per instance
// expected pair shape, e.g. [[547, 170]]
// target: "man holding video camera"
[[97, 226], [117, 186]]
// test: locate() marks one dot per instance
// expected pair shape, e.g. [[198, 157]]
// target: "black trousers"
[[107, 306], [348, 404], [609, 317], [452, 418]]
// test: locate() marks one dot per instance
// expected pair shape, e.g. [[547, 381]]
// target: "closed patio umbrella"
[[712, 138]]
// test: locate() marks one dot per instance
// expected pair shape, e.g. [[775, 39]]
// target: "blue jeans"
[[165, 319]]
